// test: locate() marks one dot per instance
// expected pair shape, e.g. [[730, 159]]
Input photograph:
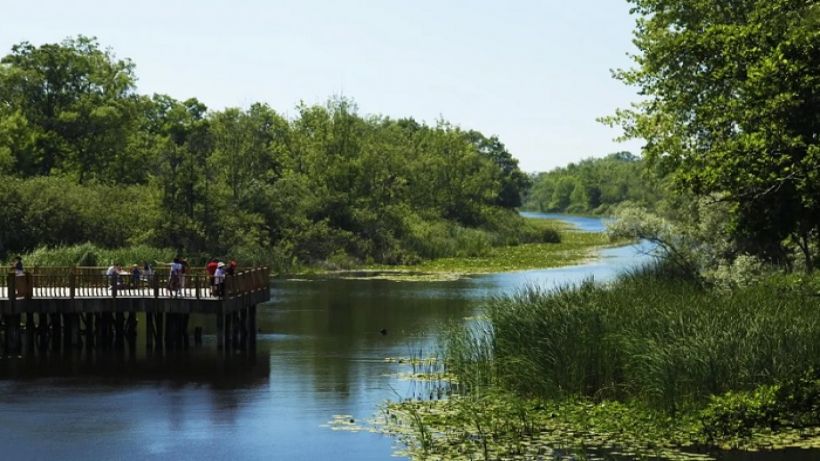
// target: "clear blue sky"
[[536, 73]]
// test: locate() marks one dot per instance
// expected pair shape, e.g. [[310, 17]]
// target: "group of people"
[[216, 270], [117, 274]]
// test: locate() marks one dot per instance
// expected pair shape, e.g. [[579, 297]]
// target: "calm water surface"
[[320, 353]]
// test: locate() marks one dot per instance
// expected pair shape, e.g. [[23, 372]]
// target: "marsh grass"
[[573, 247], [88, 254], [648, 367], [651, 337]]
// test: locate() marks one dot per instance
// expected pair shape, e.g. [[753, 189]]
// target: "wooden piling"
[[56, 332], [220, 331], [228, 331], [159, 321], [149, 330], [89, 330], [42, 331], [252, 324], [30, 332], [119, 330]]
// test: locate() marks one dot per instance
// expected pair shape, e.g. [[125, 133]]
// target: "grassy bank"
[[564, 246], [536, 243], [651, 365]]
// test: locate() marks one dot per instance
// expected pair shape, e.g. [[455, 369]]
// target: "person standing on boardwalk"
[[210, 268], [20, 274], [219, 280], [174, 276], [183, 264], [231, 270], [18, 267], [147, 271], [113, 274]]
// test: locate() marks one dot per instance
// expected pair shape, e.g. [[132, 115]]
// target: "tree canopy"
[[87, 158], [731, 92], [593, 185]]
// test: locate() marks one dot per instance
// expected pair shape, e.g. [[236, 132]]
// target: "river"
[[321, 352]]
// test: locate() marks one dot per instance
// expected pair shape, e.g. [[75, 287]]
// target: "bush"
[[794, 403]]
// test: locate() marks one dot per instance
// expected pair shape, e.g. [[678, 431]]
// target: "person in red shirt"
[[211, 269], [231, 267]]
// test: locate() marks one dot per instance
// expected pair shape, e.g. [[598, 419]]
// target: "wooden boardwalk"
[[82, 307]]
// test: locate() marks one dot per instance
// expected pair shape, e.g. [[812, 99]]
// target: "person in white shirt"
[[219, 280], [113, 274], [173, 278]]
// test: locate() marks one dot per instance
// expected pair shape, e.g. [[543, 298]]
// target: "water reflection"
[[320, 353]]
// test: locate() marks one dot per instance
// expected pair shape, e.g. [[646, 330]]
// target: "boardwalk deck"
[[75, 303]]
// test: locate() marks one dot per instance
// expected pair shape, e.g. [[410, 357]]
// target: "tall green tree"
[[731, 94], [70, 107], [514, 182]]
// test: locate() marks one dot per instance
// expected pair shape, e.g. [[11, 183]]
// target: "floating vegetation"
[[412, 360], [506, 427], [425, 376], [575, 248], [402, 276], [346, 423]]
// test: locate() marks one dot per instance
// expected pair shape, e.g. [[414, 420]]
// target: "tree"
[[731, 91], [76, 104], [513, 181]]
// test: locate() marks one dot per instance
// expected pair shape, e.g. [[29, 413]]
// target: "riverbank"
[[575, 247], [652, 366], [562, 245]]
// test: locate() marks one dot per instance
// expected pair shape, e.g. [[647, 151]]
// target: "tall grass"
[[88, 254], [659, 339]]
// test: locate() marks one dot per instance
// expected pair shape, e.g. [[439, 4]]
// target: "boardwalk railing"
[[92, 282]]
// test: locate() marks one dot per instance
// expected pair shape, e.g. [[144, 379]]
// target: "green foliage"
[[593, 186], [88, 254], [654, 338], [115, 168], [731, 91], [794, 403]]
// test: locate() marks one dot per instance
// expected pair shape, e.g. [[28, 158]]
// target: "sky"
[[534, 73]]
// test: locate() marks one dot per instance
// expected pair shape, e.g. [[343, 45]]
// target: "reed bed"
[[650, 337]]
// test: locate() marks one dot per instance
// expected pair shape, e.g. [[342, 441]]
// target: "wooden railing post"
[[72, 283], [155, 283], [198, 285]]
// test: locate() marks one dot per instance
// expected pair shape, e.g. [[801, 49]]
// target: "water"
[[585, 223], [320, 353]]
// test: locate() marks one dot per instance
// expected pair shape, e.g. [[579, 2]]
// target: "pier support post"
[[159, 318], [235, 330], [119, 330], [184, 327], [243, 328], [42, 331], [56, 332], [72, 331], [252, 326], [30, 332], [171, 331], [12, 340], [220, 331], [131, 329], [149, 330], [89, 331], [228, 331]]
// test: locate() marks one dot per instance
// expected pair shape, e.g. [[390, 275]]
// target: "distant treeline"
[[84, 158], [592, 186]]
